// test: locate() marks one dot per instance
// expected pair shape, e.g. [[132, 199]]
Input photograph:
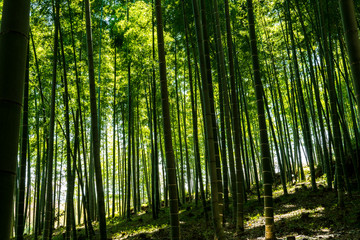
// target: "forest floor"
[[303, 214]]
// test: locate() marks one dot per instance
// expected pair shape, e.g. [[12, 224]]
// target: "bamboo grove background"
[[308, 98]]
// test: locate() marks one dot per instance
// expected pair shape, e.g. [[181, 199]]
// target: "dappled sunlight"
[[288, 206], [192, 120], [300, 213], [305, 214], [142, 230]]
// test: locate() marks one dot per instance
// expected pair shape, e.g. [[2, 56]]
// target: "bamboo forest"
[[179, 119]]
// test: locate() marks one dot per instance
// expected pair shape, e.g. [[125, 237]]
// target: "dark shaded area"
[[303, 213]]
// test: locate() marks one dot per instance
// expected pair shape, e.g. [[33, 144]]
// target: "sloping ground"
[[303, 214]]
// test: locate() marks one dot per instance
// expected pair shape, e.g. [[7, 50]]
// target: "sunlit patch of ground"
[[306, 214], [303, 213]]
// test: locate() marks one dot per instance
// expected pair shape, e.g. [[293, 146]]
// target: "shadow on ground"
[[303, 213]]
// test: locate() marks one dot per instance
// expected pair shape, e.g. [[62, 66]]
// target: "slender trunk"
[[170, 159], [265, 150], [133, 145], [317, 98], [37, 172], [208, 103], [182, 180], [305, 120], [94, 125], [213, 138], [20, 219], [194, 117], [114, 137], [147, 185], [236, 126], [333, 108], [251, 145], [28, 189], [107, 172], [223, 96], [157, 198], [128, 190], [48, 212], [187, 161], [70, 179], [351, 29]]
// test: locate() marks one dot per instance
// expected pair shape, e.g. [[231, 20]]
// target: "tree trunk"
[[351, 29], [48, 210], [305, 120], [13, 46], [70, 178], [114, 138], [265, 150], [333, 108], [94, 125], [182, 180], [20, 219], [208, 103], [194, 117], [170, 158]]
